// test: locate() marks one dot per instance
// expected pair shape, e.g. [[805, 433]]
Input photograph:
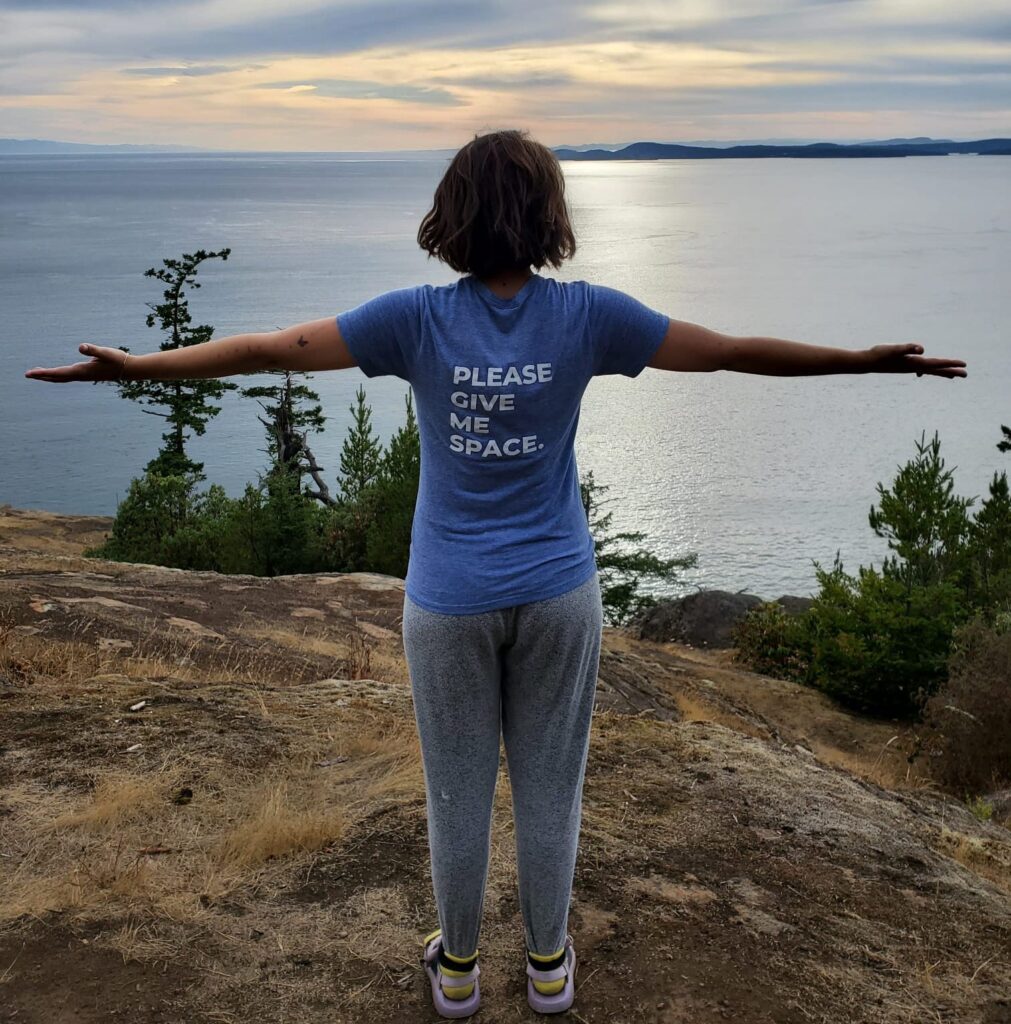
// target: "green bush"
[[162, 521], [270, 530], [773, 642], [876, 644], [275, 529]]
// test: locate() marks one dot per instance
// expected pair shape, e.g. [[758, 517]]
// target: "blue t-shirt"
[[498, 382]]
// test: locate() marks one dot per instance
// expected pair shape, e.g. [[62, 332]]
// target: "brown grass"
[[127, 846], [986, 857], [277, 822], [162, 654]]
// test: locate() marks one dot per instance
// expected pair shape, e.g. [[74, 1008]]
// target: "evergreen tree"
[[361, 455], [990, 550], [392, 499], [287, 423], [189, 403], [1005, 444], [622, 571], [924, 522]]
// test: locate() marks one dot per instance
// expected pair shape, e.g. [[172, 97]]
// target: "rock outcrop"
[[704, 619]]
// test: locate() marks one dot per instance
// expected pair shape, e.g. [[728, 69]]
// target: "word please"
[[493, 376]]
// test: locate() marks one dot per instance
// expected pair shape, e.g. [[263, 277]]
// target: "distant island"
[[816, 150]]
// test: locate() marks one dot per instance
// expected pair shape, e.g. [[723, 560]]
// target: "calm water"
[[758, 475]]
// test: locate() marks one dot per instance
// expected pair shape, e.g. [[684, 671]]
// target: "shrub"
[[271, 530], [159, 523], [275, 529], [773, 642], [876, 644], [880, 641], [968, 721]]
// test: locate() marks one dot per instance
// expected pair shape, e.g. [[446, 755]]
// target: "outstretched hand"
[[909, 359], [105, 364]]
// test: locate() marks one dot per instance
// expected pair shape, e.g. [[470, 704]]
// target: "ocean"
[[757, 475]]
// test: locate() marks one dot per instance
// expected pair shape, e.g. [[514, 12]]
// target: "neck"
[[507, 283]]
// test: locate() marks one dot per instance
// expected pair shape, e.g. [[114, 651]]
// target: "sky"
[[353, 75]]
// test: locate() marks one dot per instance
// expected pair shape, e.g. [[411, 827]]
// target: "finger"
[[940, 361], [930, 362], [51, 378]]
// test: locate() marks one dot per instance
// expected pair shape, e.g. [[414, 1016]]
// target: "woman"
[[502, 610]]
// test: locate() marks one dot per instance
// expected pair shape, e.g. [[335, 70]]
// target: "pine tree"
[[990, 549], [402, 458], [924, 522], [287, 423], [392, 500], [361, 455], [189, 402]]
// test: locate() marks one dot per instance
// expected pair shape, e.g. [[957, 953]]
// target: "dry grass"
[[129, 846], [119, 797], [277, 822], [163, 654], [986, 857]]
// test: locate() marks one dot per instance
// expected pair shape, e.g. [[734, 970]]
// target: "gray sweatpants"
[[528, 674]]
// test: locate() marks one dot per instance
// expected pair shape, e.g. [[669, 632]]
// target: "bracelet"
[[122, 367]]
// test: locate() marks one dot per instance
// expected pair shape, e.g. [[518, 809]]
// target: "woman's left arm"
[[692, 347], [313, 345]]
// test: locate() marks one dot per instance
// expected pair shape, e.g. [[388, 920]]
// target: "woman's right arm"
[[313, 345], [693, 348]]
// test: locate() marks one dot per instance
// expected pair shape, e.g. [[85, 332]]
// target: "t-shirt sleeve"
[[624, 332], [383, 333]]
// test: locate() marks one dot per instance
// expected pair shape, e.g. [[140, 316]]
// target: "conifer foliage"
[[188, 404]]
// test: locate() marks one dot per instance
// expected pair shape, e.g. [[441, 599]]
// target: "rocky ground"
[[212, 810]]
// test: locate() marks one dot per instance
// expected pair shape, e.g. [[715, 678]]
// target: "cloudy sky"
[[410, 74]]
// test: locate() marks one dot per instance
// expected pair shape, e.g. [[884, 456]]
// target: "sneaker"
[[561, 1001], [444, 1006]]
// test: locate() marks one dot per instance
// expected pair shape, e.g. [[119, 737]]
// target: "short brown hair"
[[500, 206]]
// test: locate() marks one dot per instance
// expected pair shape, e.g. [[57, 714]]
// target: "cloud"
[[187, 71], [348, 74], [350, 89], [508, 82]]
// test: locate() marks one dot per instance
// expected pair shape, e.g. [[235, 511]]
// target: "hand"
[[908, 359], [105, 364]]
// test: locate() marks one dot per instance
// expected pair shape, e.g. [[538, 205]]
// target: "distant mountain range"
[[707, 150], [582, 147], [814, 150], [28, 147]]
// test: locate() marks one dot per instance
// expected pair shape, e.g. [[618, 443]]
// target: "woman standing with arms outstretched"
[[502, 608]]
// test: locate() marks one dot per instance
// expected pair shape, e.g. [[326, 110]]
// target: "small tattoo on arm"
[[301, 341]]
